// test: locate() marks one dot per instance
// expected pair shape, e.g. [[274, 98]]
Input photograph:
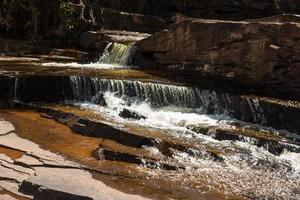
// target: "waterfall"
[[116, 53], [181, 98], [156, 94]]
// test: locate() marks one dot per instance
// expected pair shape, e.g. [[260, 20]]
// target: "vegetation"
[[32, 19]]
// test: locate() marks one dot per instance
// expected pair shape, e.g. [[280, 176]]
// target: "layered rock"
[[98, 40], [220, 9], [29, 172], [261, 56]]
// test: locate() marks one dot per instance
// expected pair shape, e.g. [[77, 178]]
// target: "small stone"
[[128, 114]]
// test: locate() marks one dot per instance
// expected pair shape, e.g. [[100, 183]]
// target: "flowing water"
[[253, 169], [114, 56], [236, 147]]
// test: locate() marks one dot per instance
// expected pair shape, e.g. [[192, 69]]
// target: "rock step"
[[40, 192], [256, 57], [220, 9], [104, 154], [261, 138], [100, 129], [110, 19], [99, 39], [41, 174], [22, 52]]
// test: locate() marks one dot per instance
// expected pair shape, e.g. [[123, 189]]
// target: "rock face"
[[97, 40], [256, 55], [220, 9], [39, 174]]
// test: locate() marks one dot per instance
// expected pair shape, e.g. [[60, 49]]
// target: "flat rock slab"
[[5, 127], [41, 174], [73, 181], [6, 197]]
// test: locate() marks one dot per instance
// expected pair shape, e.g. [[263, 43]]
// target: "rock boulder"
[[264, 56]]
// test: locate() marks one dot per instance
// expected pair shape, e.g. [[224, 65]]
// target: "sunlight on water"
[[248, 168], [164, 117]]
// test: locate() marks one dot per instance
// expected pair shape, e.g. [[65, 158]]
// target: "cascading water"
[[166, 105], [247, 151], [175, 108], [158, 95], [115, 55]]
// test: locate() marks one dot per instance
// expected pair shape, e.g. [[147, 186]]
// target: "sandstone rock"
[[271, 141], [256, 56], [6, 197], [124, 157], [59, 183], [40, 174], [217, 9], [99, 39], [32, 53], [5, 127], [279, 18], [116, 20], [92, 40], [100, 129]]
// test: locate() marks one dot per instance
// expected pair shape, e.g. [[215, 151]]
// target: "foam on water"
[[172, 118], [250, 171], [177, 119], [246, 168], [85, 66], [293, 159]]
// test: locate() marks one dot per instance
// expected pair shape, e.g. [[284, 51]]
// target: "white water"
[[176, 119], [116, 53], [249, 168], [165, 117], [84, 66], [173, 108]]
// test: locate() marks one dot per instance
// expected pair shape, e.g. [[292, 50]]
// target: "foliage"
[[35, 18]]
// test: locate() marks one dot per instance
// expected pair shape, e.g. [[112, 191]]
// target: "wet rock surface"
[[97, 40], [280, 114], [40, 174], [270, 140], [125, 113], [183, 123], [168, 157]]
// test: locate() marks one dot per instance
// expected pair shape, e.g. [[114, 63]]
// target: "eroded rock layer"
[[258, 56], [29, 172], [220, 9]]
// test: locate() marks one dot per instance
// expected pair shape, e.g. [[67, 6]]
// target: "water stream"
[[256, 157], [115, 55], [176, 108]]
